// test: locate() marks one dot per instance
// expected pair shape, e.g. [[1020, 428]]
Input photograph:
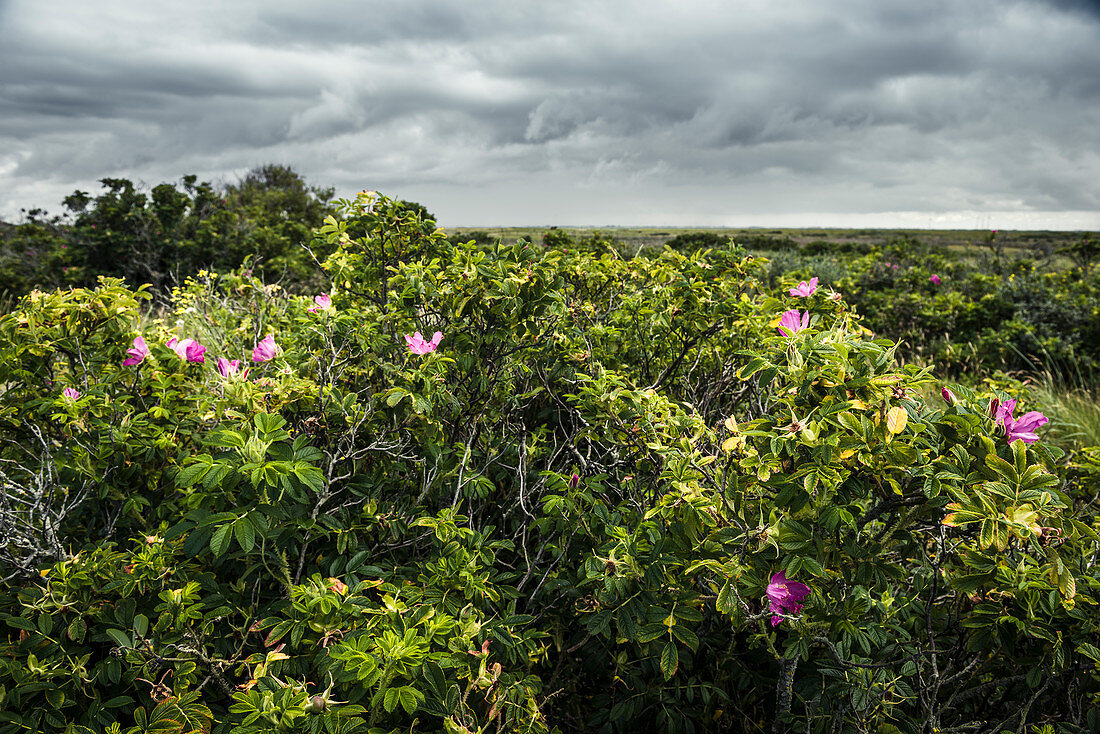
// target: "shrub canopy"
[[594, 504]]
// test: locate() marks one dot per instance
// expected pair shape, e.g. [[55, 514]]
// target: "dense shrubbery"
[[993, 313], [570, 515]]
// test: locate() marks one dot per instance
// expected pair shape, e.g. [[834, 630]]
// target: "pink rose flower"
[[265, 350], [785, 597], [324, 303], [417, 344], [805, 289], [792, 322], [1022, 428], [188, 350], [137, 353], [229, 369]]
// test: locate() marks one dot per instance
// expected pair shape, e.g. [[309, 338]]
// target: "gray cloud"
[[704, 112]]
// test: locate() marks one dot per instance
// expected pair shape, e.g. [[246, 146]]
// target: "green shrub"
[[569, 515]]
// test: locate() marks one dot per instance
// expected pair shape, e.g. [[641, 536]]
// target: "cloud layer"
[[856, 112]]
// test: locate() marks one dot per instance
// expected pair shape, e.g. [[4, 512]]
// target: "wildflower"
[[785, 597], [137, 353], [229, 369], [805, 289], [574, 481], [835, 296], [789, 323], [934, 279], [417, 345], [70, 394], [324, 303], [187, 349], [1022, 428], [265, 350], [948, 396]]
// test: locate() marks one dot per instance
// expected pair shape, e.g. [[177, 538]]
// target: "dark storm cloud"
[[1085, 6], [711, 109]]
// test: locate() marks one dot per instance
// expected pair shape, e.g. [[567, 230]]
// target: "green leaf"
[[409, 698], [77, 629], [245, 532], [269, 423], [670, 660], [1090, 651], [1002, 467], [686, 636], [189, 475], [851, 422], [987, 533], [121, 638], [21, 623], [436, 680], [219, 541], [754, 366]]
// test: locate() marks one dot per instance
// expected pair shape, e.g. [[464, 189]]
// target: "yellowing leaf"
[[729, 444], [895, 420]]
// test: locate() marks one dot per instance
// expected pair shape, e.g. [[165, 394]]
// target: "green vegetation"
[[611, 496], [169, 233]]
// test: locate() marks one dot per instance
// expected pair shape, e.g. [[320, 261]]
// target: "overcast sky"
[[905, 113]]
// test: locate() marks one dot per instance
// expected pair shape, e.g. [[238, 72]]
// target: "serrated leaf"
[[219, 541], [1067, 584], [1002, 467], [436, 680], [1090, 651], [245, 532], [986, 534], [409, 698], [754, 366], [850, 421], [725, 601], [670, 660], [189, 475], [77, 629]]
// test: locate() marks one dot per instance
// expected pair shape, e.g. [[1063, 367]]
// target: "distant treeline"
[[162, 235]]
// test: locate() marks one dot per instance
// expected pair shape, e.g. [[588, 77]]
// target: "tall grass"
[[1066, 397], [1074, 412]]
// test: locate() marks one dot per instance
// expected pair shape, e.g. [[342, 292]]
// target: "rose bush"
[[608, 495]]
